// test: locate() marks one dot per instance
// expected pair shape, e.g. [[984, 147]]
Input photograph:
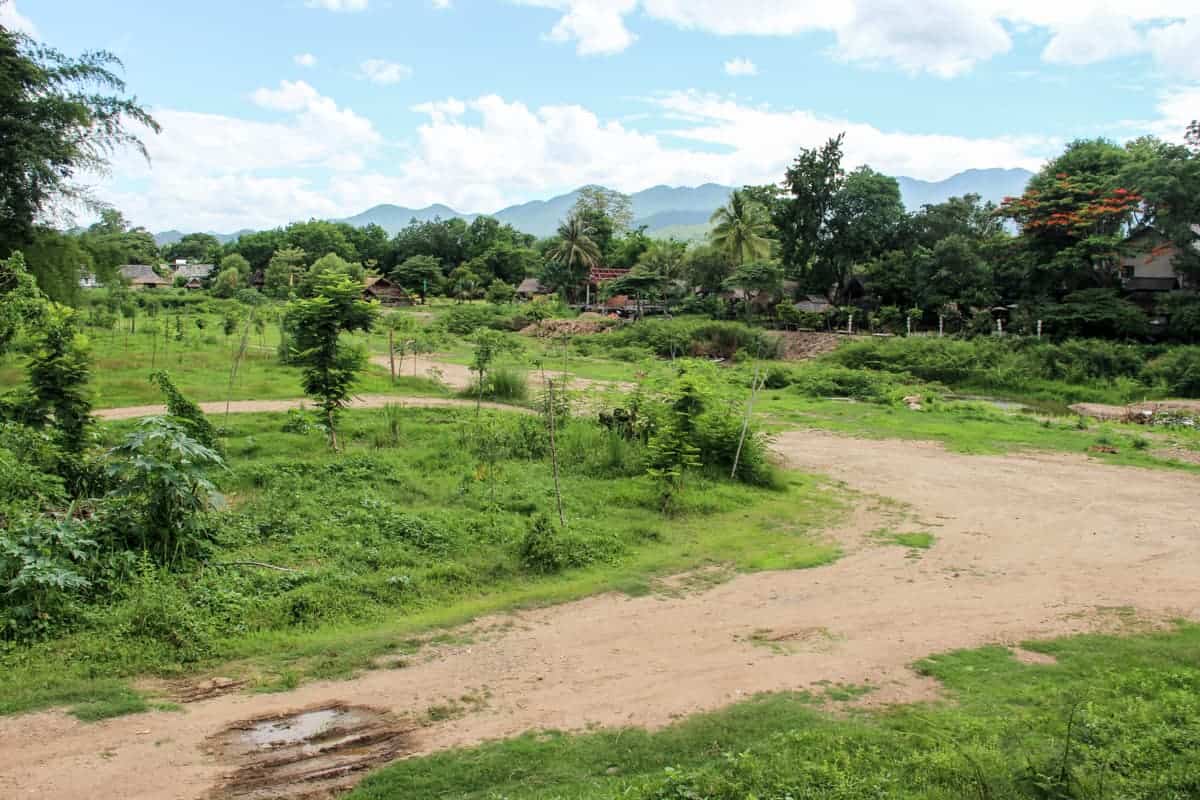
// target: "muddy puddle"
[[311, 753]]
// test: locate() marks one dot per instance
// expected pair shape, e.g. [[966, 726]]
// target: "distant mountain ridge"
[[682, 211]]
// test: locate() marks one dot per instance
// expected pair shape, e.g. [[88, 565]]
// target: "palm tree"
[[576, 251], [740, 229]]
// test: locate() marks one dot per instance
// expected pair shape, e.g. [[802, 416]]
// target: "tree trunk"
[[554, 455], [392, 353]]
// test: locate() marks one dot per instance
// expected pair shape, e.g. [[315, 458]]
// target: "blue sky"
[[276, 110]]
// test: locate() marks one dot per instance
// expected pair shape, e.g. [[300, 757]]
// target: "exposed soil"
[[1026, 547], [262, 406], [1139, 412], [459, 377], [806, 345], [312, 753]]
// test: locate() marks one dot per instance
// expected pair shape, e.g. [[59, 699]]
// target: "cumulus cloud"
[[945, 38], [377, 70], [307, 60], [14, 20], [339, 5], [1177, 48], [211, 171], [596, 26], [223, 173], [740, 67]]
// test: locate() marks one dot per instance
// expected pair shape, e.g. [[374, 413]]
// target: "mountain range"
[[679, 211]]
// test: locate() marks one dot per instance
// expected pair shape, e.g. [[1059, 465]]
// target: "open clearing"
[[1023, 547]]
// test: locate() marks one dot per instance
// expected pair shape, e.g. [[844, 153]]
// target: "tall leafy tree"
[[1074, 215], [420, 274], [866, 218], [801, 215], [315, 324], [741, 229], [283, 271], [60, 118], [195, 247]]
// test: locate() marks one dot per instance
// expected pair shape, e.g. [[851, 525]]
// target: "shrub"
[[546, 549], [43, 567], [1097, 313], [508, 384], [1178, 371], [835, 381], [186, 413]]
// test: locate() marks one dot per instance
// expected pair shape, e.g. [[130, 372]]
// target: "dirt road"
[[261, 406], [1027, 546], [459, 377]]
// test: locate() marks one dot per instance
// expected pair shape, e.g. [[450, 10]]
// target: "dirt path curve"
[[1027, 546], [256, 406]]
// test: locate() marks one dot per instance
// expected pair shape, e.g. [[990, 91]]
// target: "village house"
[[194, 275], [1148, 270], [387, 293], [142, 276], [530, 288]]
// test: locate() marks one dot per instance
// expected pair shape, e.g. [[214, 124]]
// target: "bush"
[[1178, 371], [670, 338], [1101, 313], [546, 549], [508, 384], [860, 384]]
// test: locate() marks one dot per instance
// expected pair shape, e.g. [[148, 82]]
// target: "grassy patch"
[[1132, 706], [419, 524], [918, 540], [970, 428]]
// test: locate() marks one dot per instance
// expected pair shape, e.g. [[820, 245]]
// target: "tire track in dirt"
[[1027, 546]]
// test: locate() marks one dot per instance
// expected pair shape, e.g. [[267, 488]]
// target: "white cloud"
[[740, 67], [384, 72], [945, 38], [339, 5], [597, 26], [307, 60], [1092, 39], [224, 173], [209, 171], [442, 5], [1177, 48], [14, 20], [941, 37]]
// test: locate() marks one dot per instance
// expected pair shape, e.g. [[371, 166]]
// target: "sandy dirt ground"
[[1027, 546], [257, 406], [459, 377]]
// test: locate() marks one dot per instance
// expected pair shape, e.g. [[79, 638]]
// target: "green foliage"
[[43, 568], [500, 292], [688, 337], [60, 123], [829, 380], [315, 325], [547, 549], [1096, 313], [20, 300], [186, 413], [162, 474], [1070, 371], [59, 371], [1178, 371], [741, 230]]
